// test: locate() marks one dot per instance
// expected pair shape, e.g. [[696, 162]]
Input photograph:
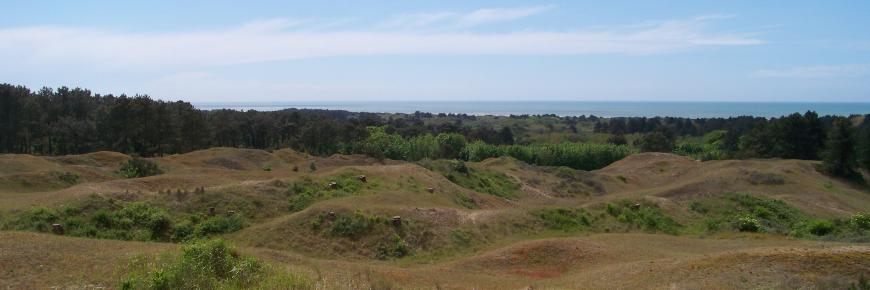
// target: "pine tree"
[[839, 155]]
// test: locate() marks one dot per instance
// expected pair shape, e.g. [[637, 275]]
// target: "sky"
[[274, 51]]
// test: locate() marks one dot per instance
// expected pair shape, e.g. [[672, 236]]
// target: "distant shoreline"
[[564, 108]]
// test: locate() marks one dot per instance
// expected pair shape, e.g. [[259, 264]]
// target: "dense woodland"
[[71, 121]]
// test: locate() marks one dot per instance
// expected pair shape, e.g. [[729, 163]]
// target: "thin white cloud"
[[417, 20], [494, 15], [827, 71], [464, 20], [271, 40]]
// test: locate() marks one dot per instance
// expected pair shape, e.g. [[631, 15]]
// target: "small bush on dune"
[[564, 219], [584, 156], [820, 227], [354, 225], [98, 218], [748, 223], [307, 191], [219, 225], [861, 221], [213, 265], [645, 216], [139, 167], [480, 180]]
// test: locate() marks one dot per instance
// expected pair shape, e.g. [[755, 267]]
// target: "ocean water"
[[565, 108]]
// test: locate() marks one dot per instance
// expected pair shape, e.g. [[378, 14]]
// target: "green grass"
[[306, 191], [480, 180], [106, 218], [752, 213], [139, 167], [211, 264], [583, 156], [565, 219], [645, 216]]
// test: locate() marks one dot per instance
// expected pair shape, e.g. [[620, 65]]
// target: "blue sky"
[[237, 51]]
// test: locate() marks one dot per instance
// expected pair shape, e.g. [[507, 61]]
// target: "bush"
[[480, 180], [584, 156], [820, 227], [353, 225], [68, 178], [139, 167], [657, 141], [861, 221], [98, 217], [397, 248], [748, 223], [212, 265], [564, 219], [219, 225], [648, 217], [306, 191]]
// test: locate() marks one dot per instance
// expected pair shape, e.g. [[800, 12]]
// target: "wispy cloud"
[[453, 20], [280, 39], [493, 15], [827, 71]]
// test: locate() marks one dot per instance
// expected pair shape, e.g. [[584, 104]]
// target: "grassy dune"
[[647, 221]]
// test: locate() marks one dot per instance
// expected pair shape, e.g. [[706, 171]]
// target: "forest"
[[73, 121]]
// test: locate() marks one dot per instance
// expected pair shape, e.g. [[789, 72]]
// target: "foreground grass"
[[211, 264]]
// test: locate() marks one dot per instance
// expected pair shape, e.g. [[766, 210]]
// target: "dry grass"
[[496, 245]]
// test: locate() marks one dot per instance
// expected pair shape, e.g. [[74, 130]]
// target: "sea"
[[563, 108]]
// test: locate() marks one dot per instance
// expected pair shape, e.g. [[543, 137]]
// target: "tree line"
[[73, 121]]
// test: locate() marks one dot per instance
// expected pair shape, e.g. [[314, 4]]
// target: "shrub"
[[461, 237], [397, 248], [480, 180], [748, 223], [564, 219], [97, 217], [68, 178], [771, 214], [306, 191], [212, 265], [861, 221], [584, 156], [219, 225], [648, 217], [353, 225], [139, 167], [820, 227], [657, 141]]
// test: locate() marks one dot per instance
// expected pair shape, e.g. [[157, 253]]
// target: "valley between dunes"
[[649, 221]]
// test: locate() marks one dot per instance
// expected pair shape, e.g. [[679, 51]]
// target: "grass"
[[212, 264], [106, 218], [436, 240], [307, 191], [480, 180], [564, 219], [753, 213], [646, 216], [139, 167]]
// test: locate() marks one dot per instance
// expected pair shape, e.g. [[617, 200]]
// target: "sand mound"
[[537, 259], [224, 158], [21, 163], [96, 159]]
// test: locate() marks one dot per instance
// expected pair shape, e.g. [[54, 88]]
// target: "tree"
[[863, 145], [450, 145], [617, 139], [506, 136], [657, 141], [839, 156]]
